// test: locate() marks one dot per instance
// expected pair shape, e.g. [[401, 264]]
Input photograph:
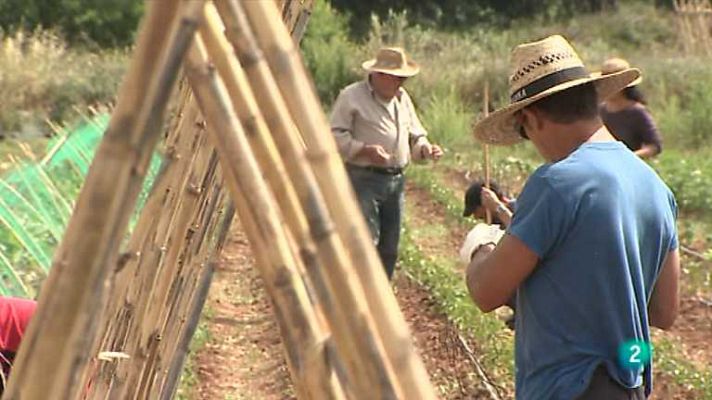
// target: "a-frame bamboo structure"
[[115, 316], [694, 20]]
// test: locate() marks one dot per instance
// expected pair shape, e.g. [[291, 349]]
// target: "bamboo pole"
[[186, 162], [305, 109], [196, 253], [485, 113], [328, 268], [150, 367], [56, 346], [304, 340], [159, 267]]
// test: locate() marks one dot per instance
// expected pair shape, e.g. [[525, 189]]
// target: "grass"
[[437, 273], [41, 78], [189, 378], [681, 370]]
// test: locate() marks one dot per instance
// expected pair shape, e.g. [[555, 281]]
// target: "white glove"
[[480, 235]]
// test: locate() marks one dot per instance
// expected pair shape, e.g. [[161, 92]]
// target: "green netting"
[[36, 201]]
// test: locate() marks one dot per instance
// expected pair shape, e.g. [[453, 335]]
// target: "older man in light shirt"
[[378, 133]]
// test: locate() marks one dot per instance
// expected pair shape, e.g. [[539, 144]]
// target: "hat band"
[[549, 81]]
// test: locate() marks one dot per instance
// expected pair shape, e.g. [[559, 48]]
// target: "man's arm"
[[495, 272], [651, 141], [648, 150], [341, 121], [665, 300], [421, 148]]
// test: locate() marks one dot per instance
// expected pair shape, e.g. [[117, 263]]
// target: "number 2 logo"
[[635, 352]]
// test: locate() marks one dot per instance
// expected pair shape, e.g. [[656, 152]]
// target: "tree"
[[104, 22]]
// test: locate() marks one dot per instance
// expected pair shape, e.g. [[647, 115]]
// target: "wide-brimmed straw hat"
[[613, 65], [392, 61], [540, 69]]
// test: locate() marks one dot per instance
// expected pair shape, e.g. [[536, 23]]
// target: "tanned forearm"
[[647, 150]]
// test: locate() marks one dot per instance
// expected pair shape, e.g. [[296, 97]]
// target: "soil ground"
[[243, 358]]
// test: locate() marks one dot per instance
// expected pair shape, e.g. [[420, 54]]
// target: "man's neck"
[[379, 96], [566, 138]]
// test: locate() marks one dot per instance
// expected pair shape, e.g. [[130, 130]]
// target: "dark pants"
[[380, 195], [602, 386]]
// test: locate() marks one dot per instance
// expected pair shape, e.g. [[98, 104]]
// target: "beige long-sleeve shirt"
[[360, 117]]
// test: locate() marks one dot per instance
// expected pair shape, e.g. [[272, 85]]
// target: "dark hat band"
[[549, 81]]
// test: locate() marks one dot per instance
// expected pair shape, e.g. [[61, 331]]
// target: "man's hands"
[[376, 154], [490, 200], [431, 152]]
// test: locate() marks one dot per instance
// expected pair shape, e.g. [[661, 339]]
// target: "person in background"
[[479, 199], [15, 316], [378, 133], [626, 116], [592, 250]]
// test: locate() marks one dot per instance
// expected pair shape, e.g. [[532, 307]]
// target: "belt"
[[379, 170]]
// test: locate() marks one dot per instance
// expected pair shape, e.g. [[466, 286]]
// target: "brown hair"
[[570, 105]]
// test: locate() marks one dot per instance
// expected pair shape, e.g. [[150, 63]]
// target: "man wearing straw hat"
[[591, 252], [378, 133]]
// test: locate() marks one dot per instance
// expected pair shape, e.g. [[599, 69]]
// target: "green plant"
[[107, 23], [42, 79], [328, 54], [189, 376]]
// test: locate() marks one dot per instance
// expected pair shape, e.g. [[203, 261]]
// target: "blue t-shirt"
[[601, 222]]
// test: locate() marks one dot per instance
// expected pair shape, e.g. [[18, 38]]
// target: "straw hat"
[[540, 69], [613, 65], [392, 61]]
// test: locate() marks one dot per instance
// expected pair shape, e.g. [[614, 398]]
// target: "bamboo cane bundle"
[[196, 252], [56, 346], [304, 338], [134, 302], [157, 265], [146, 245], [305, 109], [329, 270]]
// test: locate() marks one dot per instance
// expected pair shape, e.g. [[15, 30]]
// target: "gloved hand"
[[480, 235]]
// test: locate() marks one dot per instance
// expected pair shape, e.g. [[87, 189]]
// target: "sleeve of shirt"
[[649, 133], [417, 135], [674, 241], [541, 217], [342, 122]]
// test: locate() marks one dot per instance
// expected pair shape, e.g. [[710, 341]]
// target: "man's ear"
[[533, 118]]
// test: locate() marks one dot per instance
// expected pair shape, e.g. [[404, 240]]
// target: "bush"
[[328, 54], [689, 176], [43, 79]]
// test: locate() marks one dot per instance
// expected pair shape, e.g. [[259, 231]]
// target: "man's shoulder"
[[355, 87]]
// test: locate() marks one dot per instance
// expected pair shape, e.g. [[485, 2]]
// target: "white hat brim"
[[409, 70], [499, 127]]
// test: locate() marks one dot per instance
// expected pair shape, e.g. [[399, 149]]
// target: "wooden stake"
[[485, 113]]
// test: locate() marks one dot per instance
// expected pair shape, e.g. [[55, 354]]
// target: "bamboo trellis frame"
[[695, 24], [246, 118]]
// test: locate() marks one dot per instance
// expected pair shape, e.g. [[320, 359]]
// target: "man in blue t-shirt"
[[592, 250]]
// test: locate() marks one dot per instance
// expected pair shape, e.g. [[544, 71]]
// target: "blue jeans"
[[381, 198]]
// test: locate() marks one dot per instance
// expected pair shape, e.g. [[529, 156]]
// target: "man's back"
[[601, 222]]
